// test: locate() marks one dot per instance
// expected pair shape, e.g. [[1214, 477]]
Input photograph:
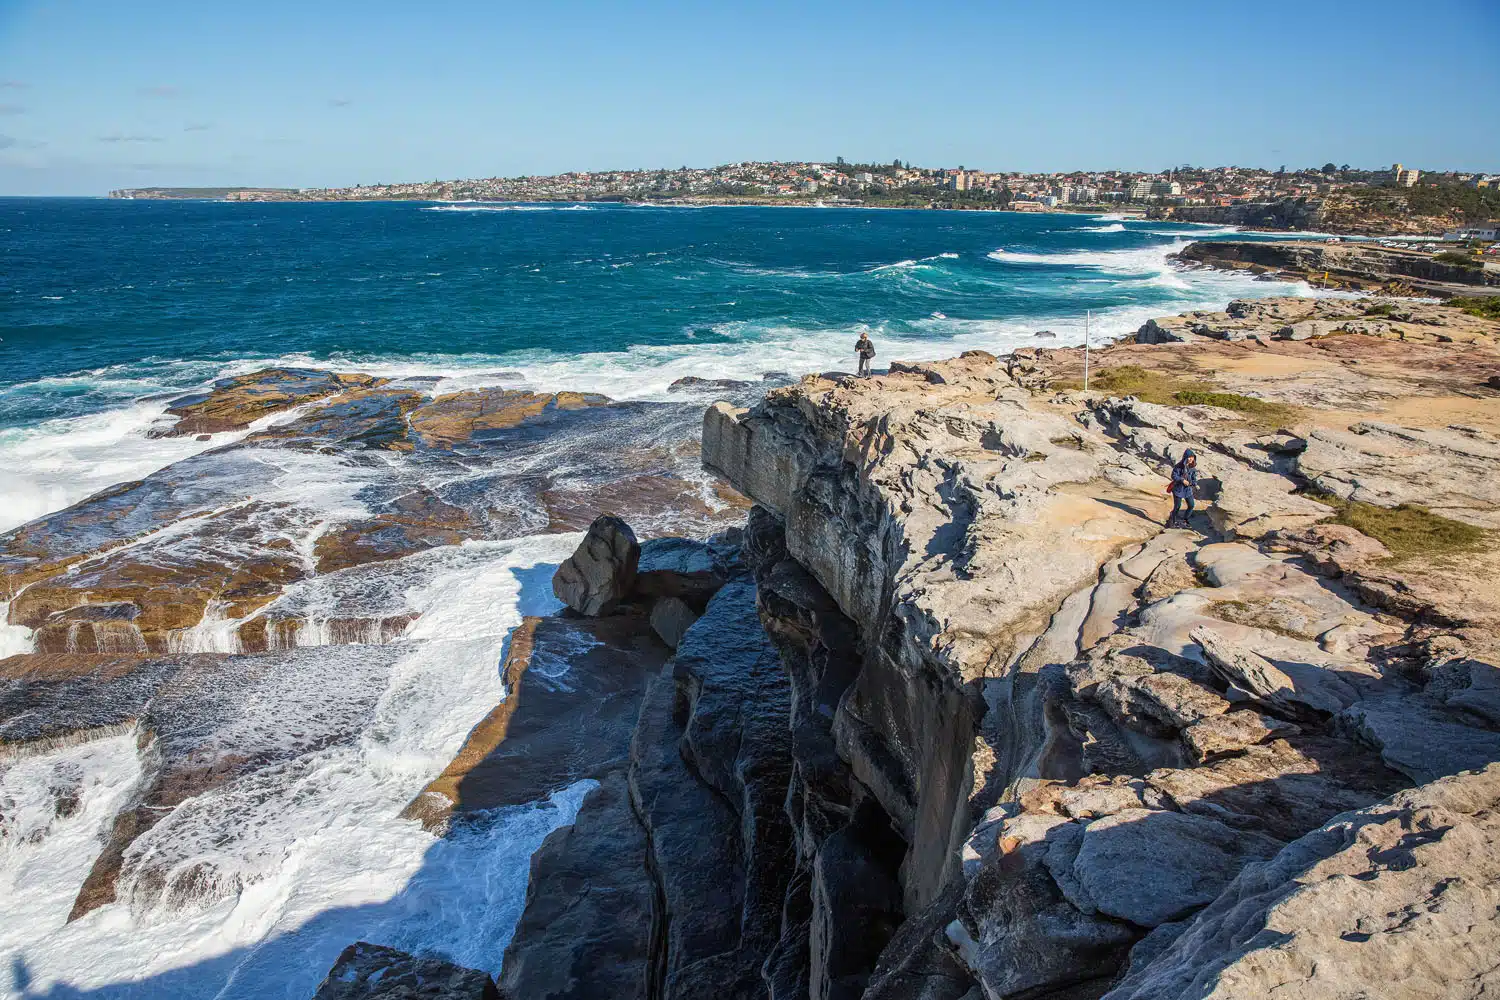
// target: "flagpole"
[[1087, 337]]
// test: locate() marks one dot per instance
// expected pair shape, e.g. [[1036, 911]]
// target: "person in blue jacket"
[[1184, 489]]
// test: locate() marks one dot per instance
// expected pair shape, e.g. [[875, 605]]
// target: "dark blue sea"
[[107, 307]]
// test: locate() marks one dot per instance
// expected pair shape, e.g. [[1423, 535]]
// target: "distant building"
[[1402, 177], [1475, 233]]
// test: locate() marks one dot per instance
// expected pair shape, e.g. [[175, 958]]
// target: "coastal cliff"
[[1096, 739], [929, 705]]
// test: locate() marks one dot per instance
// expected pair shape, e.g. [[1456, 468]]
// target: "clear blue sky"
[[111, 93]]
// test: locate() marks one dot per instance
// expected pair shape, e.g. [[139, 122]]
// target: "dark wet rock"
[[710, 764], [465, 419], [53, 699], [574, 689], [671, 617], [679, 567], [600, 575], [353, 421], [1040, 334], [409, 523], [163, 585], [692, 383], [373, 972], [844, 903], [586, 931], [235, 403], [660, 502]]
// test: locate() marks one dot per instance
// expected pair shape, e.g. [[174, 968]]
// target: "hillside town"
[[1395, 199]]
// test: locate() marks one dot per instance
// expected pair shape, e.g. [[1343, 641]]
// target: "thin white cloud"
[[339, 102], [198, 127], [161, 90], [11, 109], [12, 85], [118, 137], [7, 141]]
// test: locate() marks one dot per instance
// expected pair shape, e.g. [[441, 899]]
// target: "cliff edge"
[[1116, 758]]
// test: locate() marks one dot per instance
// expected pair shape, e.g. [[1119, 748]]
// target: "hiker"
[[1184, 485], [866, 350]]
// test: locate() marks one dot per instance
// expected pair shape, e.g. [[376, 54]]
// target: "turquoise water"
[[108, 306]]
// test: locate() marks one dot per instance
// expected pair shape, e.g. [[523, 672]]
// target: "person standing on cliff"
[[865, 348], [1183, 489]]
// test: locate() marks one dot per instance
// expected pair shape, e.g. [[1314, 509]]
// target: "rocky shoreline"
[[1356, 266], [921, 702], [1041, 747]]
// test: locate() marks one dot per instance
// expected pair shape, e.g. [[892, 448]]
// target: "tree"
[[1329, 168], [839, 161]]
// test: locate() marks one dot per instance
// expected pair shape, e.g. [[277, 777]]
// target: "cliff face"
[[1063, 742], [1358, 262]]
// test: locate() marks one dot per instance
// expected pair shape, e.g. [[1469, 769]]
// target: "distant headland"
[[1394, 200]]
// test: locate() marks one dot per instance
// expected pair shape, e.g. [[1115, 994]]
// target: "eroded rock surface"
[[1080, 733]]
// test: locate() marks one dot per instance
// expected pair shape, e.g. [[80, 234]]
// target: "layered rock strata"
[[1079, 734], [1361, 265]]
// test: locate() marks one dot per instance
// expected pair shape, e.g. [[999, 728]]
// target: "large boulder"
[[601, 573], [1397, 900]]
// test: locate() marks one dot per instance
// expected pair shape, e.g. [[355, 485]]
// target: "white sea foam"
[[1113, 227], [289, 866], [59, 462], [745, 349], [468, 207], [14, 639]]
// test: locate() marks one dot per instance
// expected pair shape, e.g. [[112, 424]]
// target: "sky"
[[104, 94]]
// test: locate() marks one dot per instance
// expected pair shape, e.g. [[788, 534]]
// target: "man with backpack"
[[865, 348]]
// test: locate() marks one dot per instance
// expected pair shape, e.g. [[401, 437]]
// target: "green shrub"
[[1485, 307], [1460, 259]]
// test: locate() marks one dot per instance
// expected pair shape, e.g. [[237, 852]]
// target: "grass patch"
[[1483, 306], [1156, 387], [1383, 309], [1407, 530], [1259, 410], [1133, 380]]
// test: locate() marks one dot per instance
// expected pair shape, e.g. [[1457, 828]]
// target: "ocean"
[[107, 306], [111, 309]]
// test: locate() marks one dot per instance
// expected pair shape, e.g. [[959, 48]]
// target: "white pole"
[[1087, 337]]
